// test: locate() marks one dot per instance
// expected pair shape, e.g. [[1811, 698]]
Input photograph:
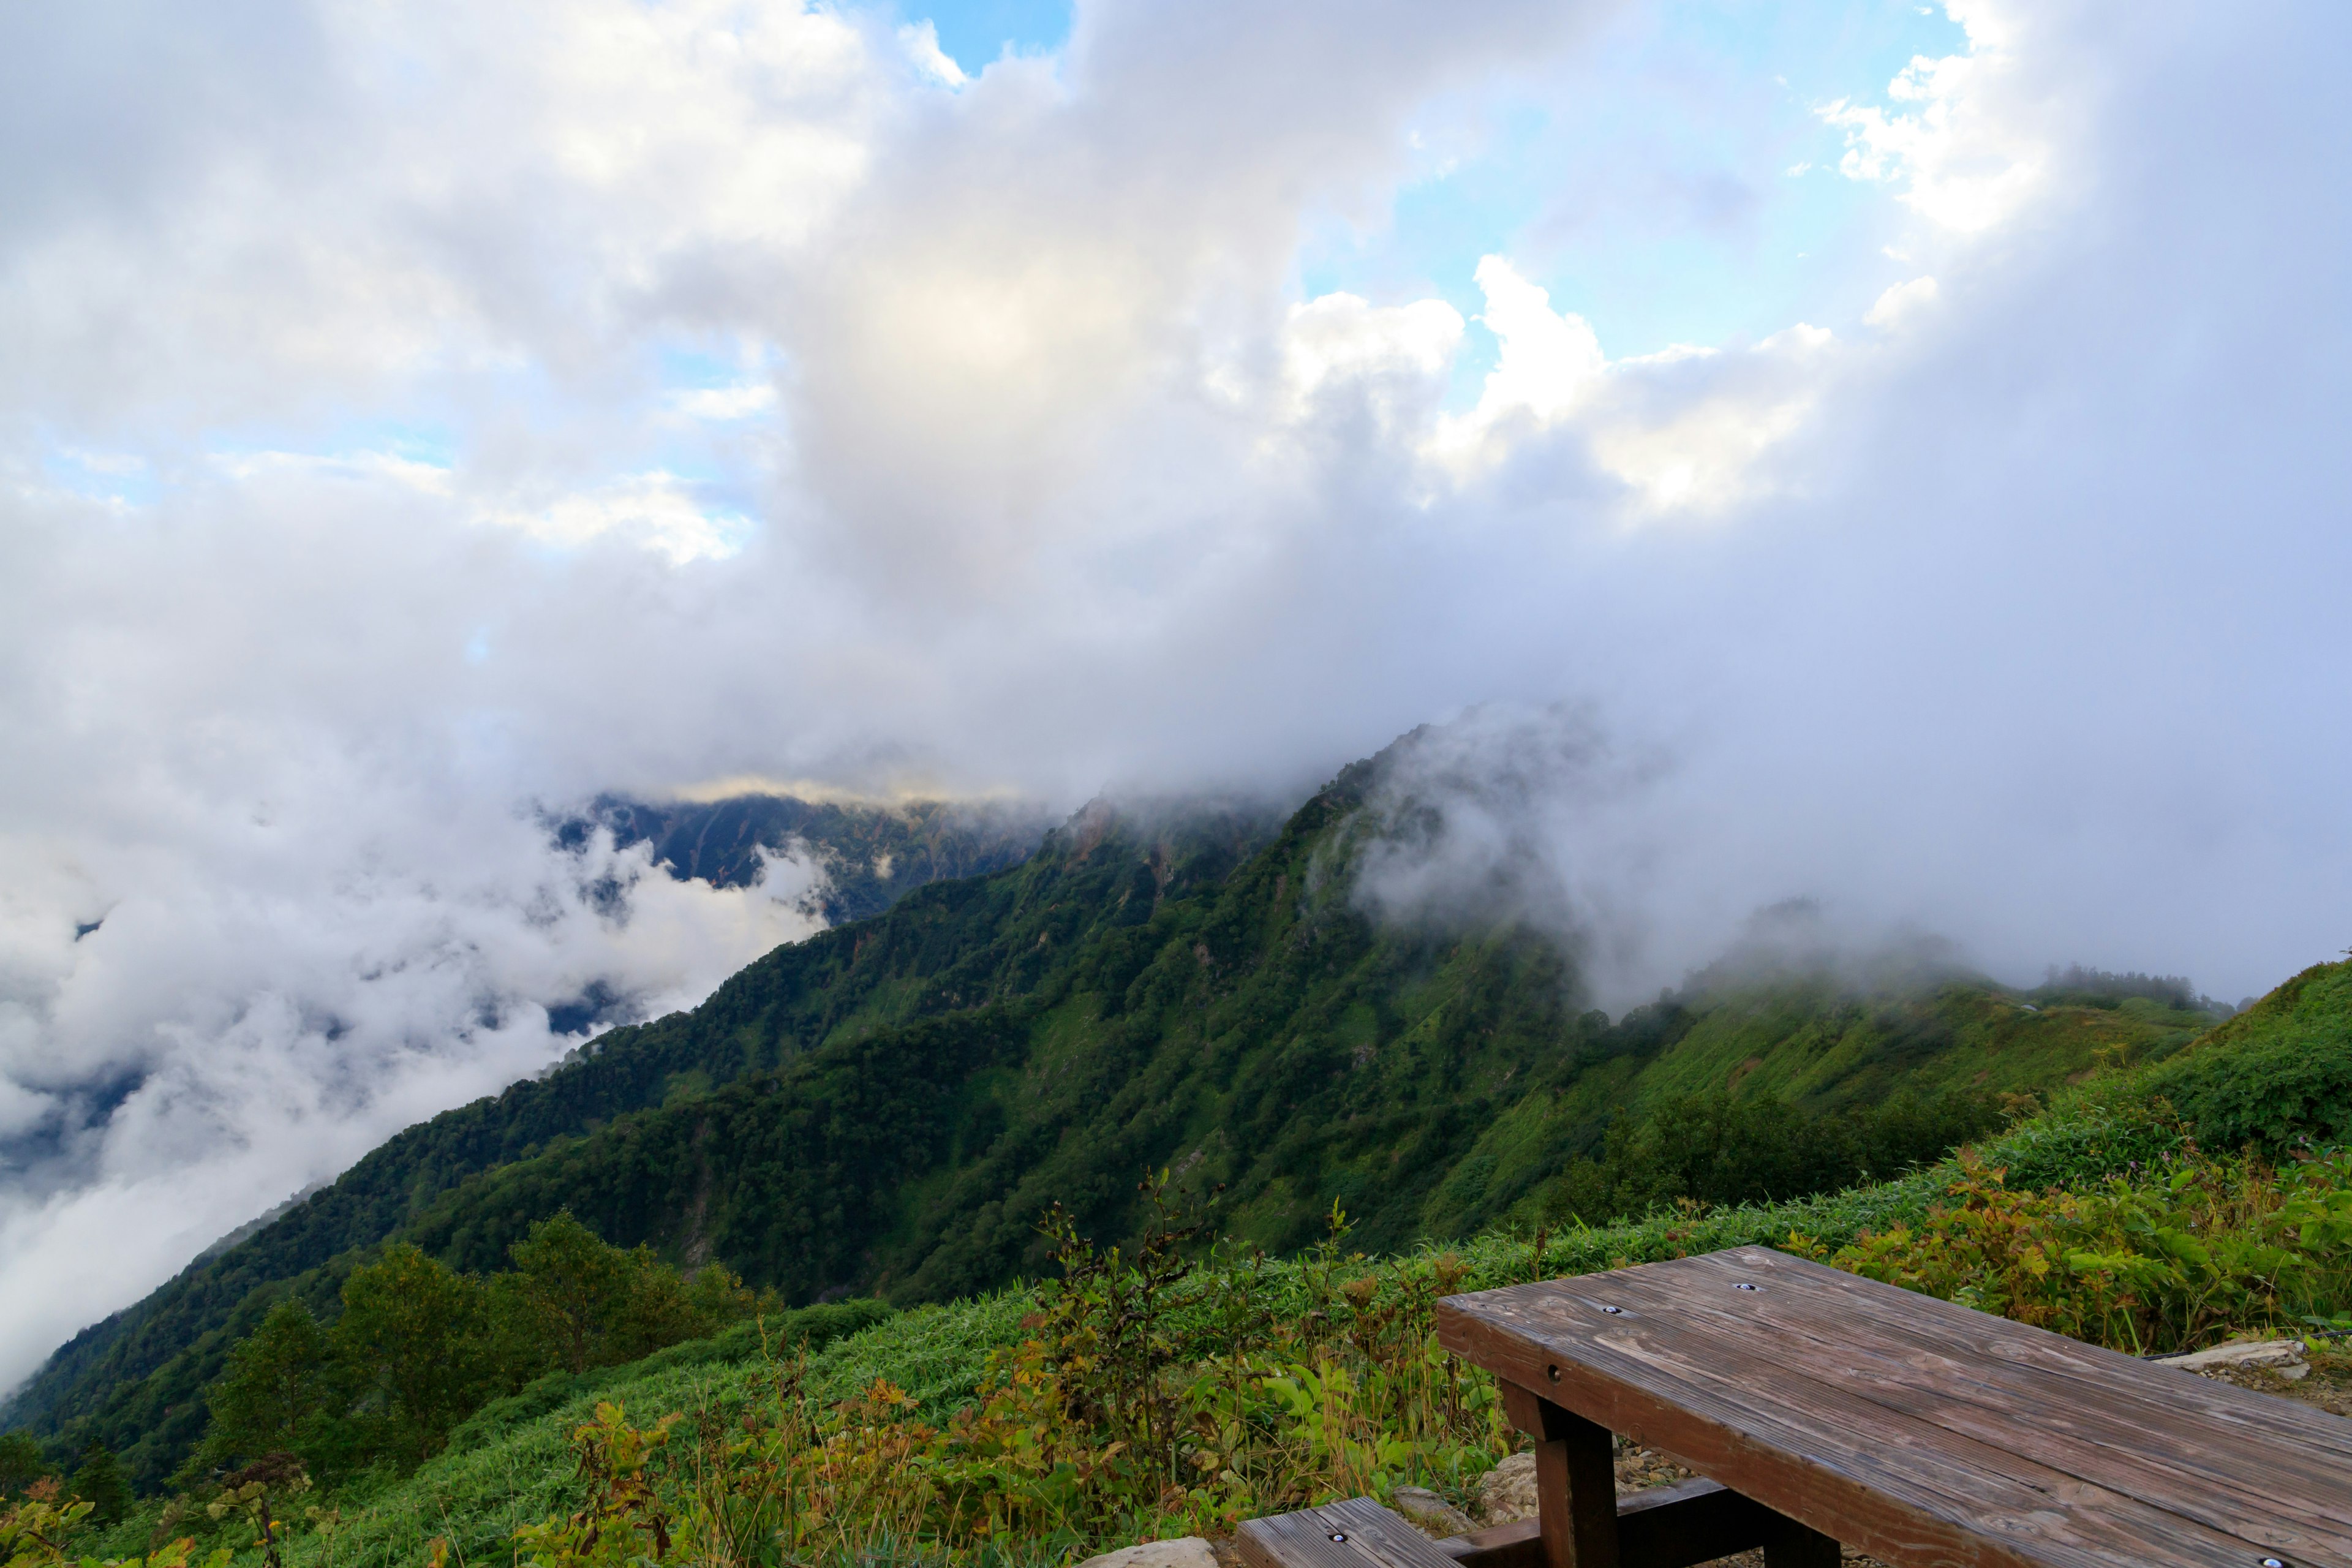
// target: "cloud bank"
[[413, 416]]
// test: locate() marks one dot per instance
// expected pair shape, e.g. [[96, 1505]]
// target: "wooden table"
[[1919, 1432]]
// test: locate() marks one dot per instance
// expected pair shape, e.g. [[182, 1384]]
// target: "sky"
[[1882, 453]]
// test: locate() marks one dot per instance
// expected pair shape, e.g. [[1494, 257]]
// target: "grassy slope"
[[511, 1464], [2281, 1069], [1814, 1041], [499, 1475]]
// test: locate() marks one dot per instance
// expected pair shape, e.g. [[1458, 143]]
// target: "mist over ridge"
[[418, 427], [1193, 982]]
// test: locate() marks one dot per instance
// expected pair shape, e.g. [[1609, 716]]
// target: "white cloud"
[[327, 199], [1701, 447], [353, 467], [278, 1001], [2017, 627], [921, 42], [1901, 303], [1395, 356], [1971, 155], [1683, 430], [739, 401], [1549, 364], [655, 511], [112, 463]]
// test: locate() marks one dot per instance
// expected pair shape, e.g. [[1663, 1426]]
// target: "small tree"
[[568, 1298], [410, 1353], [574, 1301], [275, 1396]]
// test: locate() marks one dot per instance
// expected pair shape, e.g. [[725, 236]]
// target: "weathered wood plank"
[[2244, 1464], [1668, 1527], [2236, 1463], [1518, 1544], [2031, 1362], [1772, 1408], [1356, 1534], [1876, 1488], [1575, 1476]]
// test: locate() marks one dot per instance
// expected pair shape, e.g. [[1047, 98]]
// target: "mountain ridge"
[[872, 853]]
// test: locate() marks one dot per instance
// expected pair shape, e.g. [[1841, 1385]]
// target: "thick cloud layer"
[[412, 415]]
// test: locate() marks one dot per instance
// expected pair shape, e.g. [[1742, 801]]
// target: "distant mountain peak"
[[873, 852]]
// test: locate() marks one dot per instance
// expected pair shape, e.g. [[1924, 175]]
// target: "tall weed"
[[2169, 1258]]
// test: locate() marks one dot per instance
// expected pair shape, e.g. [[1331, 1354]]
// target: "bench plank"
[[1355, 1533], [1518, 1544], [1855, 1482], [2230, 1459], [1919, 1431], [2098, 1370], [1678, 1526], [1851, 1471]]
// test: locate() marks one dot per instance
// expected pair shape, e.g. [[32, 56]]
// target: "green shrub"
[[2173, 1258]]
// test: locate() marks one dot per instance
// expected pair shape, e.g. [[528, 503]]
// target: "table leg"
[[1576, 1482]]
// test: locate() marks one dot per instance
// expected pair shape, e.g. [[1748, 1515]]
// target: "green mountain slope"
[[888, 1108], [135, 1380], [213, 1300], [2280, 1071]]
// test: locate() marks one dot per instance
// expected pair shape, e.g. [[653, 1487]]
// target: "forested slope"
[[891, 1106]]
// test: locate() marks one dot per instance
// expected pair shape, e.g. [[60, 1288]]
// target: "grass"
[[515, 1464]]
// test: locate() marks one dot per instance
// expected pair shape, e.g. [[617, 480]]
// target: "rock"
[[1508, 1490], [1186, 1551], [1430, 1513], [2283, 1357]]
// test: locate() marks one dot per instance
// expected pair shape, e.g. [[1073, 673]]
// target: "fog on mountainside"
[[1202, 986], [870, 853], [1902, 474]]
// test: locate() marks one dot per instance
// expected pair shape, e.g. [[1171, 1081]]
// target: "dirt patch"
[[2328, 1384]]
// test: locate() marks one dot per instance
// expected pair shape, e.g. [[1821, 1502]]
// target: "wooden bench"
[[1665, 1527], [1825, 1408]]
